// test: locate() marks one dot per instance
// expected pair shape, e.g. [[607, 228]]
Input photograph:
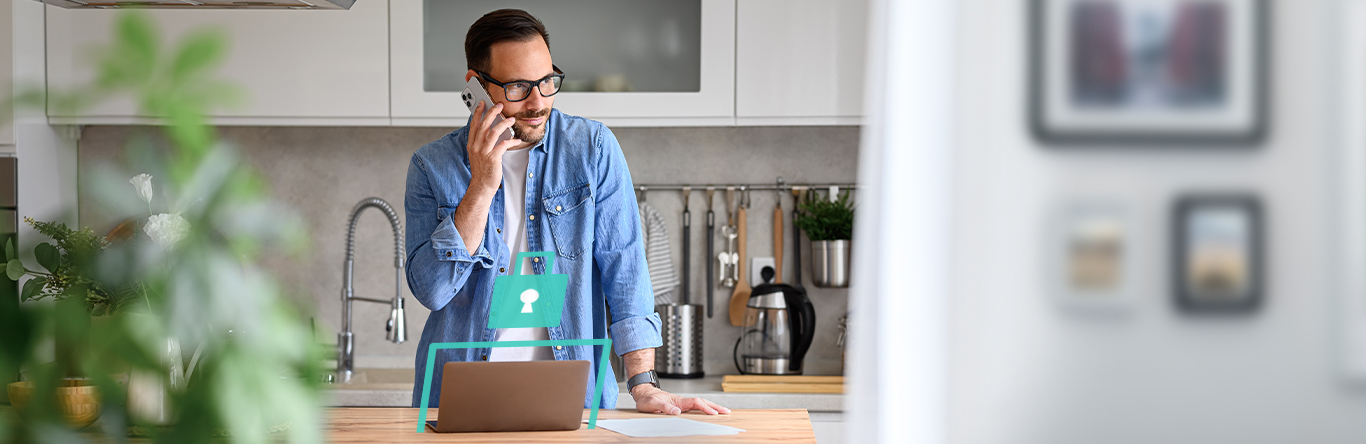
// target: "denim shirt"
[[579, 203]]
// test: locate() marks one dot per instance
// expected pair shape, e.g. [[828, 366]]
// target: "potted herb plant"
[[829, 223]]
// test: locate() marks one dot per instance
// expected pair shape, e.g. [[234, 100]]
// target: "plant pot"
[[830, 263], [76, 400]]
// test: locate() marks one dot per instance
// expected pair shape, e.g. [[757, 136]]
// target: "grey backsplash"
[[324, 171]]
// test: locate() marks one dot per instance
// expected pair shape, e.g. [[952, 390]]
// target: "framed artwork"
[[1093, 251], [1148, 71], [1217, 253]]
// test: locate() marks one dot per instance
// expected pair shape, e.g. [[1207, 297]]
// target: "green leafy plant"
[[257, 379], [823, 219], [68, 269]]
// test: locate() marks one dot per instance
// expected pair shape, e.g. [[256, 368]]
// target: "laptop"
[[511, 396]]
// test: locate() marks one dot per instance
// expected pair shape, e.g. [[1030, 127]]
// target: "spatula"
[[740, 297]]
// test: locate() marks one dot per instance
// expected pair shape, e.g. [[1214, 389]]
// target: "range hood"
[[202, 4]]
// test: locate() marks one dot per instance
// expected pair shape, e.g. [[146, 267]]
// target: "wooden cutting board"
[[782, 384]]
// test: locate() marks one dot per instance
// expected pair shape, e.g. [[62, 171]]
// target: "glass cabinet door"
[[627, 62], [656, 47]]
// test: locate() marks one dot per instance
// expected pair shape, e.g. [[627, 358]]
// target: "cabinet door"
[[676, 57], [306, 67], [799, 61], [6, 72]]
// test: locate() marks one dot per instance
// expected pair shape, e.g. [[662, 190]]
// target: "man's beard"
[[531, 134]]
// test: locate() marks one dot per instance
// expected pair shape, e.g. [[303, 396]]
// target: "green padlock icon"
[[533, 300]]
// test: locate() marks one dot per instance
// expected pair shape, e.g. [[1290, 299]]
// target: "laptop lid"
[[512, 396]]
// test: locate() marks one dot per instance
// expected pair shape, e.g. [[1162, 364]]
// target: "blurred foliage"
[[824, 219], [257, 379]]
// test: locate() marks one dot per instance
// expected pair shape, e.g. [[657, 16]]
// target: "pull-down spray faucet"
[[397, 327]]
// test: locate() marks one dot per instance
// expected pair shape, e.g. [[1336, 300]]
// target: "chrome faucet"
[[397, 327]]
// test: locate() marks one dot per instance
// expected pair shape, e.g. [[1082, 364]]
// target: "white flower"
[[143, 183], [166, 229]]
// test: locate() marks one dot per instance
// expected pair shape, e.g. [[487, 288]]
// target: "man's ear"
[[469, 75]]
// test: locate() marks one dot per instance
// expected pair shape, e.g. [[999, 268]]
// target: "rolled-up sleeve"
[[619, 251], [438, 262]]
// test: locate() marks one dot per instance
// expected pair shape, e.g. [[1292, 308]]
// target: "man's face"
[[512, 61]]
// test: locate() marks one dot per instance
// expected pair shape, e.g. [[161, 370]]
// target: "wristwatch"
[[647, 377]]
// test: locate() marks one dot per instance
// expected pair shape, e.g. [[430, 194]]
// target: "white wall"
[[47, 154], [1025, 370]]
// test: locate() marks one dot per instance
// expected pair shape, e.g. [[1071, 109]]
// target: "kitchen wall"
[[323, 172], [1027, 370]]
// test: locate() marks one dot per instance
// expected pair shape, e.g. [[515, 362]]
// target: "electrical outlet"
[[756, 270]]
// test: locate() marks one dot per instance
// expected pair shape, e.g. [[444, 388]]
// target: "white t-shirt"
[[514, 234]]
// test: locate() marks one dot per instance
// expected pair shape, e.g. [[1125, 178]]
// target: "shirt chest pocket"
[[569, 212]]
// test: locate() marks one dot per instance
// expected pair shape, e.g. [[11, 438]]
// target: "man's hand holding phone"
[[486, 150]]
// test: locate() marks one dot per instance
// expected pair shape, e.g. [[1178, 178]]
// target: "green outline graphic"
[[431, 361]]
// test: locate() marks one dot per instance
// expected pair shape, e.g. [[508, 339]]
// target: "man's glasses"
[[519, 90]]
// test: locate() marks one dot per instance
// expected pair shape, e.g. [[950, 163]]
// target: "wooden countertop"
[[399, 425]]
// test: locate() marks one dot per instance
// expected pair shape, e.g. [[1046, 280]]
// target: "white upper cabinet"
[[627, 62], [296, 67], [402, 62], [799, 62]]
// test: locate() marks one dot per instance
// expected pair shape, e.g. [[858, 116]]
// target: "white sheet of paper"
[[665, 427]]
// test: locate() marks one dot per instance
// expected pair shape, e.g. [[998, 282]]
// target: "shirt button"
[[500, 230], [557, 208], [484, 358], [533, 217], [557, 347], [530, 174], [448, 254], [535, 259], [502, 270]]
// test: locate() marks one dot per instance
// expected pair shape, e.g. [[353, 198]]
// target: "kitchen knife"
[[778, 240], [687, 244], [711, 249], [796, 239]]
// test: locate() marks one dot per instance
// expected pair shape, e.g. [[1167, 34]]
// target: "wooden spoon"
[[740, 297]]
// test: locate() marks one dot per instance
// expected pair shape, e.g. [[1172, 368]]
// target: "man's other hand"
[[650, 399]]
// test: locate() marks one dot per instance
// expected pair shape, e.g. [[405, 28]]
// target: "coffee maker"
[[780, 323]]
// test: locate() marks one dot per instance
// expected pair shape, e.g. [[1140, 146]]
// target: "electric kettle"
[[780, 323]]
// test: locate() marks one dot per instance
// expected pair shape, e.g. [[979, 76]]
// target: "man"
[[560, 185]]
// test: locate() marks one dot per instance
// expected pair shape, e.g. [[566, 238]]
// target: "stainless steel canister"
[[830, 263], [681, 355]]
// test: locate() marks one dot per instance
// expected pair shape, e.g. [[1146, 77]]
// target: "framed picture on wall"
[[1217, 253], [1093, 252], [1148, 71]]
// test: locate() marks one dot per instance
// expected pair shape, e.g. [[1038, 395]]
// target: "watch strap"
[[646, 377]]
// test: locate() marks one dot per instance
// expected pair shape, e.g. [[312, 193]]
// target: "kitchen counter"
[[394, 388], [399, 425]]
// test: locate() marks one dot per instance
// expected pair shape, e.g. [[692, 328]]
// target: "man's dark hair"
[[496, 27]]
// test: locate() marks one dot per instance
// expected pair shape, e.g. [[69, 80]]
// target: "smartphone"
[[473, 94]]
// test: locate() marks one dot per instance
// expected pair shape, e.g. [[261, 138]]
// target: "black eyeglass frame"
[[531, 84]]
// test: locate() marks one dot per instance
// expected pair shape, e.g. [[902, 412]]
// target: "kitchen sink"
[[372, 376], [374, 387]]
